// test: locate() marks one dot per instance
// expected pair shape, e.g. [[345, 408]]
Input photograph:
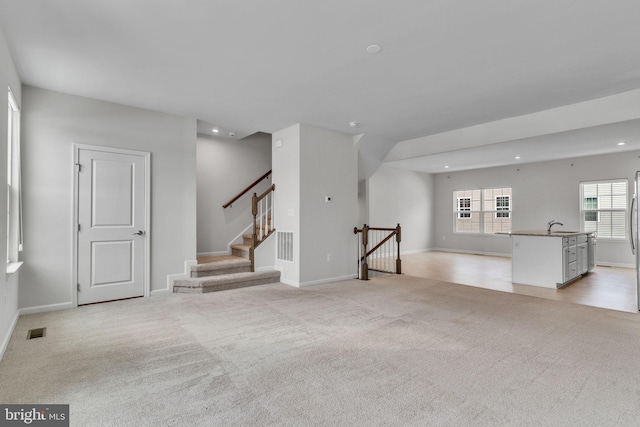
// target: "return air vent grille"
[[36, 333], [285, 246]]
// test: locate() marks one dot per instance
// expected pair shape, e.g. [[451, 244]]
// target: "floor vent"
[[285, 246], [36, 333]]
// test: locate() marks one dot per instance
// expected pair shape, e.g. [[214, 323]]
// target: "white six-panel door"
[[112, 229]]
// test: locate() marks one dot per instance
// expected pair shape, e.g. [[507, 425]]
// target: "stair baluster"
[[262, 211], [383, 251]]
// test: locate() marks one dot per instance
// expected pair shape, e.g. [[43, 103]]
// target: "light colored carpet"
[[395, 350]]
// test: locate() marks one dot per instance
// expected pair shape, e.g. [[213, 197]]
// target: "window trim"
[[624, 210], [13, 190], [457, 211]]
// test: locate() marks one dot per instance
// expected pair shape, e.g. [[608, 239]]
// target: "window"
[[485, 211], [503, 204], [14, 234], [590, 204], [604, 208], [464, 207]]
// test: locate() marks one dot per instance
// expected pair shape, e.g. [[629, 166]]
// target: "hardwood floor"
[[606, 287]]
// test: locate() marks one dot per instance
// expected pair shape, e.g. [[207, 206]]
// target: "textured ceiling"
[[249, 66]]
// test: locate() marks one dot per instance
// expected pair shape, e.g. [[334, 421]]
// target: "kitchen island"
[[551, 260]]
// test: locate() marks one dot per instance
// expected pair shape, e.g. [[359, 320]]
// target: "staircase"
[[220, 273], [238, 269]]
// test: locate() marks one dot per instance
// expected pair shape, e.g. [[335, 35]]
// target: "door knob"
[[139, 233]]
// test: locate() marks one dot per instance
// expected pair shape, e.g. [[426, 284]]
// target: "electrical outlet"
[[328, 257]]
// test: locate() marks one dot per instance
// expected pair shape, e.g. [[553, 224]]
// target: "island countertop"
[[543, 233]]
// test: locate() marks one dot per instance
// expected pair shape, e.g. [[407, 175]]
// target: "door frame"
[[147, 213]]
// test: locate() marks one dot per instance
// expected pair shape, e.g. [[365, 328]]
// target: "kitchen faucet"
[[551, 224]]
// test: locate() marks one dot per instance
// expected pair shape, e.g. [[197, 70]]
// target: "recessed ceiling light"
[[621, 143], [215, 130], [517, 157], [374, 48], [353, 124], [446, 167], [232, 134]]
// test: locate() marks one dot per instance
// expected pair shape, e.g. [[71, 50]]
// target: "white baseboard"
[[319, 282], [267, 268], [171, 277], [463, 251], [415, 251], [614, 264], [161, 291], [5, 341], [45, 308]]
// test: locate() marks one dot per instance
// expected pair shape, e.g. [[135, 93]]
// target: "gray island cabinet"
[[551, 260]]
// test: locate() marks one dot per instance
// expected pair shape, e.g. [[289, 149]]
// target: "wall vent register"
[[285, 246]]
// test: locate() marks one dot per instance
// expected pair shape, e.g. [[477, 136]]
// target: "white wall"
[[286, 177], [8, 283], [52, 122], [225, 167], [398, 196], [311, 164], [541, 192]]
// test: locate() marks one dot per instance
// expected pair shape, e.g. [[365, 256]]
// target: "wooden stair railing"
[[263, 225], [246, 190], [383, 261]]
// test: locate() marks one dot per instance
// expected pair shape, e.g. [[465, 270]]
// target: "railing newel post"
[[398, 240], [365, 241]]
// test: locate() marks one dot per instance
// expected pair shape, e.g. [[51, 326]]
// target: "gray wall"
[[329, 167], [8, 283], [52, 122], [541, 192], [226, 167], [398, 196], [313, 163]]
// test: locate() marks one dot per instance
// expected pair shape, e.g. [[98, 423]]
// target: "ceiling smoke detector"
[[232, 134], [373, 49]]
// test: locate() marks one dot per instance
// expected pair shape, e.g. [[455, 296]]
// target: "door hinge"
[[78, 286], [78, 227]]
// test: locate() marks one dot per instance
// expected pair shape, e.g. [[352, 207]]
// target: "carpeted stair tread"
[[224, 282]]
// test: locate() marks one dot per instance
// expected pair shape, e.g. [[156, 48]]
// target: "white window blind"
[[603, 208], [485, 211]]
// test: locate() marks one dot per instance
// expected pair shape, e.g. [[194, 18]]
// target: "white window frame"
[[14, 202], [462, 212], [624, 224]]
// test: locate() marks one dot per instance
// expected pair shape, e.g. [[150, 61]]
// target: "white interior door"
[[111, 247]]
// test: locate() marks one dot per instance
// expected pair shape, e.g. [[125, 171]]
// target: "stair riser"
[[220, 272], [240, 253], [224, 286]]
